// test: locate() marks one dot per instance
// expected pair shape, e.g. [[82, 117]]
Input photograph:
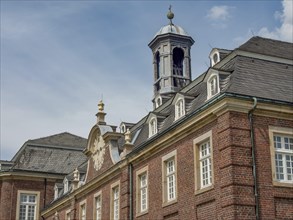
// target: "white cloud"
[[217, 13], [285, 31]]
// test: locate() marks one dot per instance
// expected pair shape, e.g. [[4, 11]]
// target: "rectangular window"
[[82, 210], [116, 203], [142, 191], [98, 207], [283, 145], [28, 206], [68, 214], [115, 200], [203, 162], [169, 178]]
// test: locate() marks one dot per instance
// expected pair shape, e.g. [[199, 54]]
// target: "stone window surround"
[[197, 172], [281, 131], [37, 193], [81, 205], [170, 156], [139, 173], [96, 195], [113, 186]]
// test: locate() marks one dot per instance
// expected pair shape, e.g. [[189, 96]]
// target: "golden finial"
[[170, 15], [101, 106]]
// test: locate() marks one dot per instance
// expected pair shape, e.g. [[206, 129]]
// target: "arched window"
[[213, 85], [56, 192], [153, 127], [158, 102], [215, 58], [123, 128], [65, 184], [179, 108], [157, 65], [178, 57]]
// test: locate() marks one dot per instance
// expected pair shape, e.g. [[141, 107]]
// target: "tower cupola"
[[171, 60]]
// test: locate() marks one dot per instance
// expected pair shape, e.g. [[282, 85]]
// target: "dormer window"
[[65, 184], [215, 58], [179, 108], [56, 192], [158, 102], [213, 85], [153, 127], [123, 128]]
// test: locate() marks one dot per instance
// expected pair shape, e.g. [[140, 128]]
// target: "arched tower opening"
[[178, 58], [158, 65]]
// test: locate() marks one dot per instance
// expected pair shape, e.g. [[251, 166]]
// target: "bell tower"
[[171, 60]]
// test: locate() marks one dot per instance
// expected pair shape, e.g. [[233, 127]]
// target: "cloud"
[[285, 31], [219, 15]]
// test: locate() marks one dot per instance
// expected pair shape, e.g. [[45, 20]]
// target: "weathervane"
[[170, 15]]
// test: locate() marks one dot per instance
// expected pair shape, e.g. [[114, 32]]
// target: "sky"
[[60, 58]]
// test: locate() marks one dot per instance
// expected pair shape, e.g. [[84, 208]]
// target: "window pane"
[[279, 167], [27, 207], [277, 142]]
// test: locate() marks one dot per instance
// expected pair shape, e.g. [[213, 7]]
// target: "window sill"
[[202, 190], [283, 184], [169, 203], [142, 213]]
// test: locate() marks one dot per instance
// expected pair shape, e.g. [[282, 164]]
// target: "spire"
[[170, 15]]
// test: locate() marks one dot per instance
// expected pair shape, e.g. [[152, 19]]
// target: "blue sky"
[[59, 58]]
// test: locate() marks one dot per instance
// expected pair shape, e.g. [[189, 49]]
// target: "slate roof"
[[248, 76], [58, 154], [268, 47]]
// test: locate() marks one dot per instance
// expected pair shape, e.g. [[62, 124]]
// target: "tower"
[[171, 60]]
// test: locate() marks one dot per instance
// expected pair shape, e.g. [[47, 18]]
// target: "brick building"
[[27, 181], [217, 147]]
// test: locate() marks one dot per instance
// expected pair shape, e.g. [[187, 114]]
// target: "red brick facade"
[[232, 193], [11, 186]]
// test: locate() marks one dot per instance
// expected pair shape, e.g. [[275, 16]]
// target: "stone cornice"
[[26, 175]]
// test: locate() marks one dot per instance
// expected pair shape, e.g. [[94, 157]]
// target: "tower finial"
[[170, 15]]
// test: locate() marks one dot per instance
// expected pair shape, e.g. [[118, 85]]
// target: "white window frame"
[[68, 214], [115, 201], [285, 156], [27, 204], [214, 62], [82, 210], [97, 206], [56, 192], [169, 171], [179, 108], [213, 87], [142, 195], [158, 101], [153, 126], [203, 162], [65, 184]]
